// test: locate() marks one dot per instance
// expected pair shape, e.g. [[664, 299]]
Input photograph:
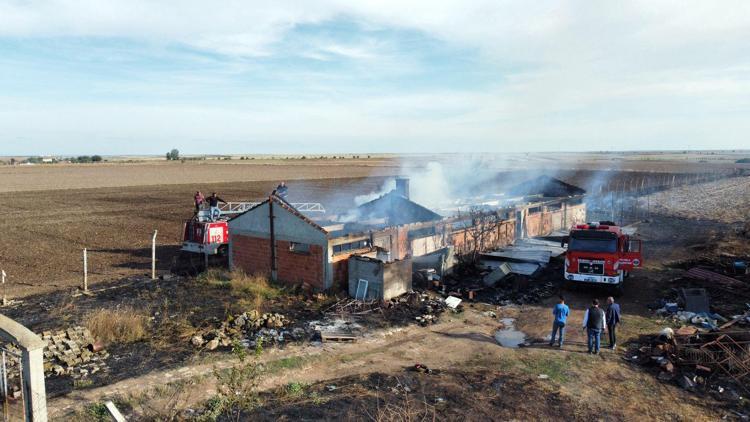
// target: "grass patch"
[[82, 383], [557, 366], [251, 291], [292, 362], [121, 325], [295, 389]]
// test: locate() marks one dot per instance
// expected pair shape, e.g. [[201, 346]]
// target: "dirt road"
[[461, 341]]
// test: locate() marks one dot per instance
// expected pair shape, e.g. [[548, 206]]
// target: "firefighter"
[[281, 190], [213, 203]]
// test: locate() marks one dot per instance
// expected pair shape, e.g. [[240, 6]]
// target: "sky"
[[138, 77]]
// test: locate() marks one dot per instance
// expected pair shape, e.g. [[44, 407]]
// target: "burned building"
[[276, 239]]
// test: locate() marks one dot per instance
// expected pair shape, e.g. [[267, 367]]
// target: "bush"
[[121, 325], [743, 161]]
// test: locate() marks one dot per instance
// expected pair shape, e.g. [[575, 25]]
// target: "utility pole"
[[5, 297]]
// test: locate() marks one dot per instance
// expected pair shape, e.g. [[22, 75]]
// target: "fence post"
[[85, 272], [5, 297], [153, 256]]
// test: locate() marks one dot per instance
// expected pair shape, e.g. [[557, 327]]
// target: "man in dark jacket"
[[594, 322], [613, 318], [213, 203]]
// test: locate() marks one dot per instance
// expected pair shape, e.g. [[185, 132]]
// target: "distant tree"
[[12, 161], [174, 154], [96, 158], [169, 156]]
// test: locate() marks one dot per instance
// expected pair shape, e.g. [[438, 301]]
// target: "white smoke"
[[388, 186]]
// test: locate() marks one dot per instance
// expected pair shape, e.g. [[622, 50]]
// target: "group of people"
[[595, 321], [213, 201]]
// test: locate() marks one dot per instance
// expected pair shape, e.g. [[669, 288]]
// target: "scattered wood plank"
[[734, 321], [337, 337], [112, 409]]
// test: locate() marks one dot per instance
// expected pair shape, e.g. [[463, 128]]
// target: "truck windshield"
[[593, 245]]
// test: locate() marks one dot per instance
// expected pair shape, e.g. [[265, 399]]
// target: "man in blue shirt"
[[613, 318], [560, 312]]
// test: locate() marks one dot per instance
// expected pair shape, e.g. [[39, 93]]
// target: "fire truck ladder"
[[239, 207]]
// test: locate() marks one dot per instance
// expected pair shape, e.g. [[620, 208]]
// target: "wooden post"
[[85, 272], [153, 256], [5, 297]]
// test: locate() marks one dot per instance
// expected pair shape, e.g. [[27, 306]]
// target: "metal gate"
[[12, 391]]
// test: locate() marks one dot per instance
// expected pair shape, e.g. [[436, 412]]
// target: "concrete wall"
[[442, 261], [384, 280], [550, 219]]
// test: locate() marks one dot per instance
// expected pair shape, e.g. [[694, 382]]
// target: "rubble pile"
[[73, 352], [422, 307], [248, 328], [713, 362]]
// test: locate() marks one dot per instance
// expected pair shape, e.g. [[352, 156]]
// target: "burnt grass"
[[178, 309], [474, 394]]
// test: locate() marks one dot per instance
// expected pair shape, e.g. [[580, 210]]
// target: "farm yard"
[[112, 210]]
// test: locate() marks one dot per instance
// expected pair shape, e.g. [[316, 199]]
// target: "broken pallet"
[[337, 337]]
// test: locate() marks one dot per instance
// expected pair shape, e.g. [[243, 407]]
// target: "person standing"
[[282, 190], [613, 318], [199, 200], [560, 313], [594, 321], [213, 203]]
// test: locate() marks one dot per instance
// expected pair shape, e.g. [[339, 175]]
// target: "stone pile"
[[73, 352], [267, 327]]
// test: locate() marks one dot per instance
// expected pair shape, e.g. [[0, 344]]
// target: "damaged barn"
[[373, 250]]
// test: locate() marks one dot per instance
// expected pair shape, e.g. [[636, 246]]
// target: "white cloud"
[[609, 73]]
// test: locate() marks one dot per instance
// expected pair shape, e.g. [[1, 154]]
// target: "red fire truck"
[[600, 253]]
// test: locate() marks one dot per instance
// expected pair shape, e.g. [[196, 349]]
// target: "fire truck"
[[205, 238], [600, 253]]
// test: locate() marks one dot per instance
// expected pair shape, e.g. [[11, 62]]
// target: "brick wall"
[[253, 255], [297, 268]]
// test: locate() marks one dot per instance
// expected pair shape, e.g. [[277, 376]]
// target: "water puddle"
[[508, 336]]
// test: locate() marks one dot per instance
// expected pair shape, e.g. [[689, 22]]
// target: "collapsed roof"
[[396, 210], [545, 186]]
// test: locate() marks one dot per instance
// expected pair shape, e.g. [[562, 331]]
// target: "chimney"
[[402, 187]]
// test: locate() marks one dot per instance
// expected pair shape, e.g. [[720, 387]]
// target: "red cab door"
[[632, 256]]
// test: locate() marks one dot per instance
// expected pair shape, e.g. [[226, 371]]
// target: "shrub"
[[122, 325]]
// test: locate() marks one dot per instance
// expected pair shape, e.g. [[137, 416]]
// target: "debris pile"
[[73, 352], [248, 327], [717, 362]]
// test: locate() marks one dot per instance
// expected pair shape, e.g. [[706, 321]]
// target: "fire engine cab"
[[600, 253]]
